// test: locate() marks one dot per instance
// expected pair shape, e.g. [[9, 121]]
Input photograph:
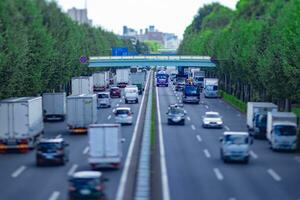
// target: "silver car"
[[176, 114], [123, 115], [212, 120], [103, 100]]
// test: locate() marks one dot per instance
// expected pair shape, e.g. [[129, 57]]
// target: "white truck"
[[122, 77], [282, 130], [211, 87], [21, 123], [82, 85], [100, 81], [257, 117], [54, 106], [198, 78], [138, 79], [81, 112], [105, 149]]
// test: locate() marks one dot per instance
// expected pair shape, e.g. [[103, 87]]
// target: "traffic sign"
[[83, 59]]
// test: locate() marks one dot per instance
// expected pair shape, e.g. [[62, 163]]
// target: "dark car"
[[179, 84], [87, 185], [52, 151], [115, 92], [176, 114]]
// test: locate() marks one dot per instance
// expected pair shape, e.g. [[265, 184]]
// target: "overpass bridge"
[[158, 60]]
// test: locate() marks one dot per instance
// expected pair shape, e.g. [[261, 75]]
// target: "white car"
[[103, 100], [131, 94], [235, 146], [123, 115], [212, 120]]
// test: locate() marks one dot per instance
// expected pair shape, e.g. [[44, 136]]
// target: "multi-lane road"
[[195, 170], [191, 165], [20, 178]]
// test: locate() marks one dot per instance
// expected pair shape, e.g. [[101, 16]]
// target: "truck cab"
[[211, 88], [162, 79]]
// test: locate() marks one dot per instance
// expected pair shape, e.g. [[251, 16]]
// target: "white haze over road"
[[171, 16]]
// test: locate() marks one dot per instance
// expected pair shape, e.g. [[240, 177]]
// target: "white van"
[[131, 94], [103, 100]]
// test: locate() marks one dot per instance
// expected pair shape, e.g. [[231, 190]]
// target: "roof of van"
[[235, 133]]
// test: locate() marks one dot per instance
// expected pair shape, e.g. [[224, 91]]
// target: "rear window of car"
[[49, 145], [103, 96], [91, 182], [212, 116], [114, 89], [122, 112]]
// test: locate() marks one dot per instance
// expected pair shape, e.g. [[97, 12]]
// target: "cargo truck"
[[198, 78], [282, 130], [21, 123], [82, 85], [99, 81], [138, 79], [105, 149], [122, 77], [81, 112], [211, 88], [54, 106], [257, 117], [162, 79]]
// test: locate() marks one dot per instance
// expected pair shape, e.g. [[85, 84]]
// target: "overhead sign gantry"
[[127, 61]]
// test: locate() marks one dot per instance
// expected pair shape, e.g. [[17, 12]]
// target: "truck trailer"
[[54, 106], [138, 79], [122, 77], [82, 85], [100, 81], [21, 123]]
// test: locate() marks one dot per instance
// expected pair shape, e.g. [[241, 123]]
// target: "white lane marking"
[[117, 105], [274, 175], [72, 170], [297, 158], [253, 155], [109, 116], [18, 171], [206, 106], [123, 97], [120, 101], [218, 174], [239, 115], [54, 195], [193, 127], [86, 150], [176, 95], [199, 138], [188, 118], [177, 98], [58, 136], [227, 128], [206, 152], [123, 180], [232, 198], [114, 110], [164, 173]]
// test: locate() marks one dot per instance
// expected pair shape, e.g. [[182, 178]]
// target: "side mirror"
[[132, 113], [105, 179], [123, 140], [67, 144], [221, 139]]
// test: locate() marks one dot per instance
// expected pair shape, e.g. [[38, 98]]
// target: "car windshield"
[[198, 78], [162, 76], [236, 139], [85, 182], [212, 87], [49, 146], [285, 130], [175, 111], [103, 96], [180, 80], [122, 112], [212, 116]]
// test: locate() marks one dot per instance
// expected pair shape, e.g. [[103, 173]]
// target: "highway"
[[195, 170], [21, 179]]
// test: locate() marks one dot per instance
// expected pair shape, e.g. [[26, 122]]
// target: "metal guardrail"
[[142, 189], [162, 57]]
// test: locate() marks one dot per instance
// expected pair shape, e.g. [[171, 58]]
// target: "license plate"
[[85, 192]]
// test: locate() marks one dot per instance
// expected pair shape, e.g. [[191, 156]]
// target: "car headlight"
[[220, 122], [206, 122]]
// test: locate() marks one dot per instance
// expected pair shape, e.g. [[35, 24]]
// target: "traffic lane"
[[190, 175], [259, 180]]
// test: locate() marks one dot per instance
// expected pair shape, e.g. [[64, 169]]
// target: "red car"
[[115, 92]]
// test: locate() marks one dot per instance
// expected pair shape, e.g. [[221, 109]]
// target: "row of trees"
[[257, 47], [40, 47]]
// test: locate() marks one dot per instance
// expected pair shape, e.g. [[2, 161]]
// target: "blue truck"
[[162, 79], [191, 94]]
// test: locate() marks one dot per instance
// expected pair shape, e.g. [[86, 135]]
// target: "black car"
[[52, 151], [86, 185], [176, 114]]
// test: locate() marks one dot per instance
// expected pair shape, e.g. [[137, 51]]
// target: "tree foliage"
[[257, 47], [40, 47]]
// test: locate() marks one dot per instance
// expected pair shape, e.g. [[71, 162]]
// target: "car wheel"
[[183, 122], [137, 101], [126, 101], [63, 161], [246, 160]]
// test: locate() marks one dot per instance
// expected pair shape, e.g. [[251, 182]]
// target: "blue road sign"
[[83, 59], [119, 51]]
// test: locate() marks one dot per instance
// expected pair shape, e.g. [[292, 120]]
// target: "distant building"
[[79, 15]]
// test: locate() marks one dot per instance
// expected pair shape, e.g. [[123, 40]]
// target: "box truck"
[[82, 85], [105, 149], [282, 130], [100, 81], [198, 78], [54, 106], [81, 112], [21, 123], [122, 77], [138, 79], [257, 117], [211, 87]]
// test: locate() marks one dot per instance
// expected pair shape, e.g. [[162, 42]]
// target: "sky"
[[170, 16]]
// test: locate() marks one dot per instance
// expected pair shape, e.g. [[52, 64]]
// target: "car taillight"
[[23, 141], [99, 188], [1, 141], [129, 114], [72, 188]]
